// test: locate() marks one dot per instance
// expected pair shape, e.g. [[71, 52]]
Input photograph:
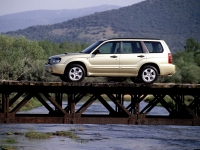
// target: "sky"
[[14, 6]]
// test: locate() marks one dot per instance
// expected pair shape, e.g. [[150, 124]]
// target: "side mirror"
[[96, 52]]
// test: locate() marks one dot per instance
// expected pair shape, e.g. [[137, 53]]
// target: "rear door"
[[132, 57]]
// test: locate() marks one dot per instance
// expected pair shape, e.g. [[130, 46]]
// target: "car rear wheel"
[[148, 74], [74, 73]]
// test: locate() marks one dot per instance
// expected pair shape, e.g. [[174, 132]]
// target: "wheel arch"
[[150, 64], [79, 63]]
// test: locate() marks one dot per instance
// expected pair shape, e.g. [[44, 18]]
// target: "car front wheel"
[[148, 74], [74, 73]]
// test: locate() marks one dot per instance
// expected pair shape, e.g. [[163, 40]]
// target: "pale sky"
[[14, 6]]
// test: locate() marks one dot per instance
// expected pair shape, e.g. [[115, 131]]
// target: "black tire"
[[148, 74], [74, 73]]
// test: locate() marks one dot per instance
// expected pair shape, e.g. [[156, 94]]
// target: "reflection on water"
[[107, 137]]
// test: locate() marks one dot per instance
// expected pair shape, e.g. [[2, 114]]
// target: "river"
[[106, 137]]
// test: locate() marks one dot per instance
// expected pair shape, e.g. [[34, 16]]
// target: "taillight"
[[169, 58]]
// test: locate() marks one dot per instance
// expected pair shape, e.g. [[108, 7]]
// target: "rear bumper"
[[167, 70]]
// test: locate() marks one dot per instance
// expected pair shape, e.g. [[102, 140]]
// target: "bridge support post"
[[5, 108], [58, 98]]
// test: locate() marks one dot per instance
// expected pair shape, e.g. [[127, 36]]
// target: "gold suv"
[[143, 60]]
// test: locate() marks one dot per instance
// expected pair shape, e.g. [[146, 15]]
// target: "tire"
[[74, 73], [148, 74]]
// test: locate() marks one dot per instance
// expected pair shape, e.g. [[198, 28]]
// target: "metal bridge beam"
[[69, 102]]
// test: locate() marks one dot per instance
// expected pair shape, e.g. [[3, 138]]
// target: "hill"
[[171, 20], [44, 17]]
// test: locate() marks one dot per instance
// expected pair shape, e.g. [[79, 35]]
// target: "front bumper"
[[55, 68]]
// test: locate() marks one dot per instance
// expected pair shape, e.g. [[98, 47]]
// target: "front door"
[[107, 61]]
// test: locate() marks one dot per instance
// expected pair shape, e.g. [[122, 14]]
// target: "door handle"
[[141, 56], [113, 56]]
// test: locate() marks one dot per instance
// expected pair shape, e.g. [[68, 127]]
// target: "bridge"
[[67, 103]]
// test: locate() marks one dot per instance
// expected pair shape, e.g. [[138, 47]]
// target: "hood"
[[66, 54]]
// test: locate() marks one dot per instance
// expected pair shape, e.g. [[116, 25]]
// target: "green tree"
[[187, 64], [18, 56], [192, 46], [47, 47]]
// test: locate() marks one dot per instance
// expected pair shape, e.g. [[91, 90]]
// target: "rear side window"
[[154, 47]]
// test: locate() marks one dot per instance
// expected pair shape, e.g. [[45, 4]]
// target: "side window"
[[110, 48], [132, 47], [127, 47], [154, 47]]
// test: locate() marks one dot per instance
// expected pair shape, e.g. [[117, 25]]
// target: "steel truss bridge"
[[68, 103]]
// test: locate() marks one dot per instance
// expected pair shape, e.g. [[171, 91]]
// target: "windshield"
[[91, 47]]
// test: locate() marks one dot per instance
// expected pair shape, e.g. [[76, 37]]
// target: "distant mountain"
[[46, 17], [171, 20]]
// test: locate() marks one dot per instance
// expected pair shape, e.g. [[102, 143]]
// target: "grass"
[[8, 147], [46, 135], [69, 134], [38, 135], [35, 135], [9, 141]]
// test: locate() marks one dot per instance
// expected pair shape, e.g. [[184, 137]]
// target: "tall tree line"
[[187, 63], [22, 59]]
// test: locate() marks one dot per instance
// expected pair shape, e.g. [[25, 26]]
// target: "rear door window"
[[154, 47], [132, 47]]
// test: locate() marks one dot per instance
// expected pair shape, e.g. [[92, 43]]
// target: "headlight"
[[55, 60]]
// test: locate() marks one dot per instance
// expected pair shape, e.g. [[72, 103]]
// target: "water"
[[98, 108], [106, 137]]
